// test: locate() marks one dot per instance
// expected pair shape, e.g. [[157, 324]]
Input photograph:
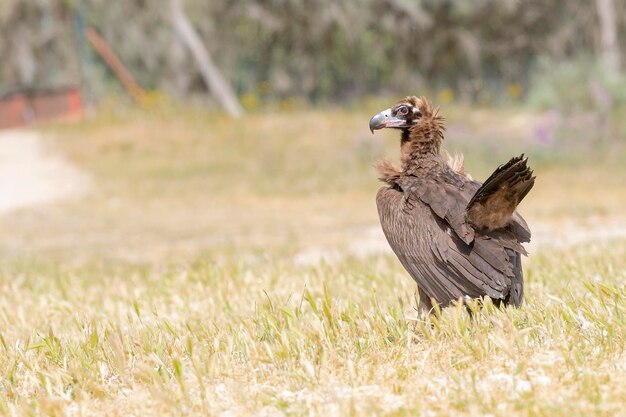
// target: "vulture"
[[457, 238]]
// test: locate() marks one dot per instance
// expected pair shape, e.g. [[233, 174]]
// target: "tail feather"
[[516, 292], [495, 201]]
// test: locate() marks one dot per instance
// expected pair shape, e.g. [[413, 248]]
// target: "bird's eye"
[[403, 111]]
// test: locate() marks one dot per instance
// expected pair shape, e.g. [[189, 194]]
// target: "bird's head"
[[414, 116], [401, 115]]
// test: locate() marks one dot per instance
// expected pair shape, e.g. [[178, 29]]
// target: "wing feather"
[[446, 200], [428, 246], [493, 205]]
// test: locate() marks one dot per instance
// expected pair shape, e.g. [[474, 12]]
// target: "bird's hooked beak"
[[385, 119]]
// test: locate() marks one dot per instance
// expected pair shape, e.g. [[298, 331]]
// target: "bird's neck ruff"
[[423, 140], [388, 173]]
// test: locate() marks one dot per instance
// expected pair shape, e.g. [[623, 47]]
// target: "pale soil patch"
[[30, 174], [565, 233]]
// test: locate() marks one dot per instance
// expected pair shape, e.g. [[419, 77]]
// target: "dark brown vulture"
[[456, 237]]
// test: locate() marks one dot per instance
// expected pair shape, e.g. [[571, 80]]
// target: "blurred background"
[[188, 220], [144, 130]]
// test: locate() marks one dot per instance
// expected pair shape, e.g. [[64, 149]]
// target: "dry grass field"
[[180, 283]]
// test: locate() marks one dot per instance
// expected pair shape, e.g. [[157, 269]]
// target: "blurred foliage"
[[576, 86], [481, 51]]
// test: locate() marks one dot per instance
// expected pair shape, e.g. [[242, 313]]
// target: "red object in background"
[[24, 107]]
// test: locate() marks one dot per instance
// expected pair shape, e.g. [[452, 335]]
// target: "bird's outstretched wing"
[[493, 204]]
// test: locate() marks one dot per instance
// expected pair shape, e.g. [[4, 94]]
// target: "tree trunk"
[[211, 74], [608, 33]]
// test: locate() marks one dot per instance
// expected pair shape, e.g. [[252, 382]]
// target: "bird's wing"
[[517, 229], [446, 199], [443, 265], [493, 204]]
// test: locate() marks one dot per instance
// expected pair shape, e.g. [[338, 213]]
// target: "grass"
[[172, 288], [270, 338]]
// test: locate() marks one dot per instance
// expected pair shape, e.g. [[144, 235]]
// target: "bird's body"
[[456, 237]]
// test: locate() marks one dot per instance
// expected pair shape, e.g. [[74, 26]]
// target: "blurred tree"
[[608, 32], [317, 49], [212, 76]]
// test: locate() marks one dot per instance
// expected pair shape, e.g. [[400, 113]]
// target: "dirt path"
[[30, 174]]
